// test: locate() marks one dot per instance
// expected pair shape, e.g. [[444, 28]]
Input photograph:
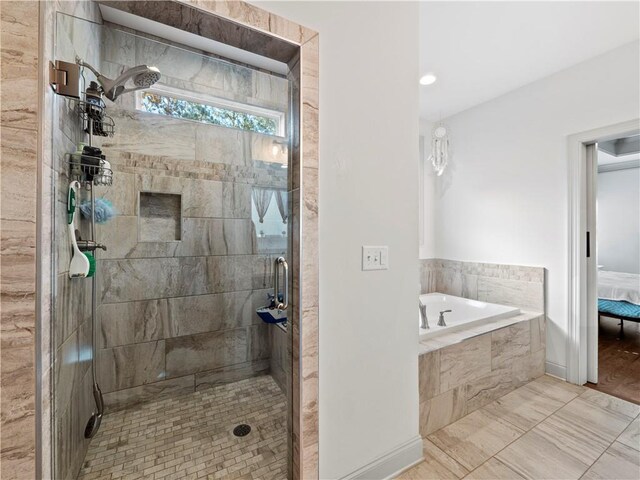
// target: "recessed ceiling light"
[[428, 79]]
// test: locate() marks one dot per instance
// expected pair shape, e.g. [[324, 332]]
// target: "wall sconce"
[[439, 148]]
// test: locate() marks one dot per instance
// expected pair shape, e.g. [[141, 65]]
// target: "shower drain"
[[242, 430]]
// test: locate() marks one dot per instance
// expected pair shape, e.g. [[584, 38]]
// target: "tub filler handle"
[[424, 321], [441, 322]]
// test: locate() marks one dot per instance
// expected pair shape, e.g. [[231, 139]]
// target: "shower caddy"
[[91, 170], [89, 167]]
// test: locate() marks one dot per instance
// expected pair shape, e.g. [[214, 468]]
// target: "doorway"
[[614, 216], [604, 307]]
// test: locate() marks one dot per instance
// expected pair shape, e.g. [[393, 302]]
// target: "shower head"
[[147, 78], [142, 76]]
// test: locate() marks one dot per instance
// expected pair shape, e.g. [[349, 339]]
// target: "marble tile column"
[[309, 162], [18, 174]]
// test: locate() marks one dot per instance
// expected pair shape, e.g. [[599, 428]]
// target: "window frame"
[[205, 99]]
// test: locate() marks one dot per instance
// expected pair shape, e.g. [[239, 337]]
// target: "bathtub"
[[464, 313]]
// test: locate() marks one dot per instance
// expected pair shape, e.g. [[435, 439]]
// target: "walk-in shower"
[[172, 252]]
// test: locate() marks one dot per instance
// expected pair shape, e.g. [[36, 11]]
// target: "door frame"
[[582, 348]]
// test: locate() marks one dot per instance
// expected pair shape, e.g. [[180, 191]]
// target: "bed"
[[619, 296]]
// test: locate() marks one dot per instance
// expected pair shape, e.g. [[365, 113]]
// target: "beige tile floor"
[[190, 436], [547, 429]]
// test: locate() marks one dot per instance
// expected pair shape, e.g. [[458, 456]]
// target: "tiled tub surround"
[[512, 285], [462, 371], [176, 307]]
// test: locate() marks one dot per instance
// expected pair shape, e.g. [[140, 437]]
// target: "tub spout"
[[441, 322], [424, 321]]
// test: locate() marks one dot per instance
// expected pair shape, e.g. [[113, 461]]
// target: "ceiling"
[[621, 146], [481, 50], [605, 159], [146, 25], [620, 151]]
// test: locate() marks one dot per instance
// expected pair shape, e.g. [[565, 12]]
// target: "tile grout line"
[[605, 450], [612, 442], [496, 459], [449, 457], [537, 423], [512, 424], [523, 434]]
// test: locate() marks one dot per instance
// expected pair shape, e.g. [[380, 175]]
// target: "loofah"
[[104, 210]]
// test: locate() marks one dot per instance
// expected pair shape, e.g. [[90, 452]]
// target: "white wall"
[[619, 220], [504, 196], [368, 196]]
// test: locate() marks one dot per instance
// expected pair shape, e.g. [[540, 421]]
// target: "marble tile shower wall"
[[189, 69], [173, 315], [72, 330], [513, 285], [178, 315]]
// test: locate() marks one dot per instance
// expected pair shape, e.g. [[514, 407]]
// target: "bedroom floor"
[[618, 360], [546, 429]]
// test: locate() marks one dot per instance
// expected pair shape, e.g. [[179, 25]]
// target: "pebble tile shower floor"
[[191, 436]]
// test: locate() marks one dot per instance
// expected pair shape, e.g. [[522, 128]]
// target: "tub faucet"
[[424, 321], [441, 322]]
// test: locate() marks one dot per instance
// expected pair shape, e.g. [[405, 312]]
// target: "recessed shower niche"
[[160, 218]]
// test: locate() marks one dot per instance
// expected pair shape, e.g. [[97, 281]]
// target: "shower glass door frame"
[[268, 35]]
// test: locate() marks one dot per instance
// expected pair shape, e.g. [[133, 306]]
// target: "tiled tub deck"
[[461, 372], [464, 371]]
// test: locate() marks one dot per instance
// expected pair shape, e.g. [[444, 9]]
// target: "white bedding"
[[619, 286]]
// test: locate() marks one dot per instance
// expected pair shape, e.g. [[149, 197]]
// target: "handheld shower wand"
[[142, 76]]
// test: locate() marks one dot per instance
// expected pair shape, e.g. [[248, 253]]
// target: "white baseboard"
[[556, 370], [392, 463]]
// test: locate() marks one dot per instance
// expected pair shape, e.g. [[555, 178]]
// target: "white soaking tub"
[[464, 314]]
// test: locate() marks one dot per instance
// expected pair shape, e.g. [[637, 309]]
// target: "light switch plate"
[[375, 258]]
